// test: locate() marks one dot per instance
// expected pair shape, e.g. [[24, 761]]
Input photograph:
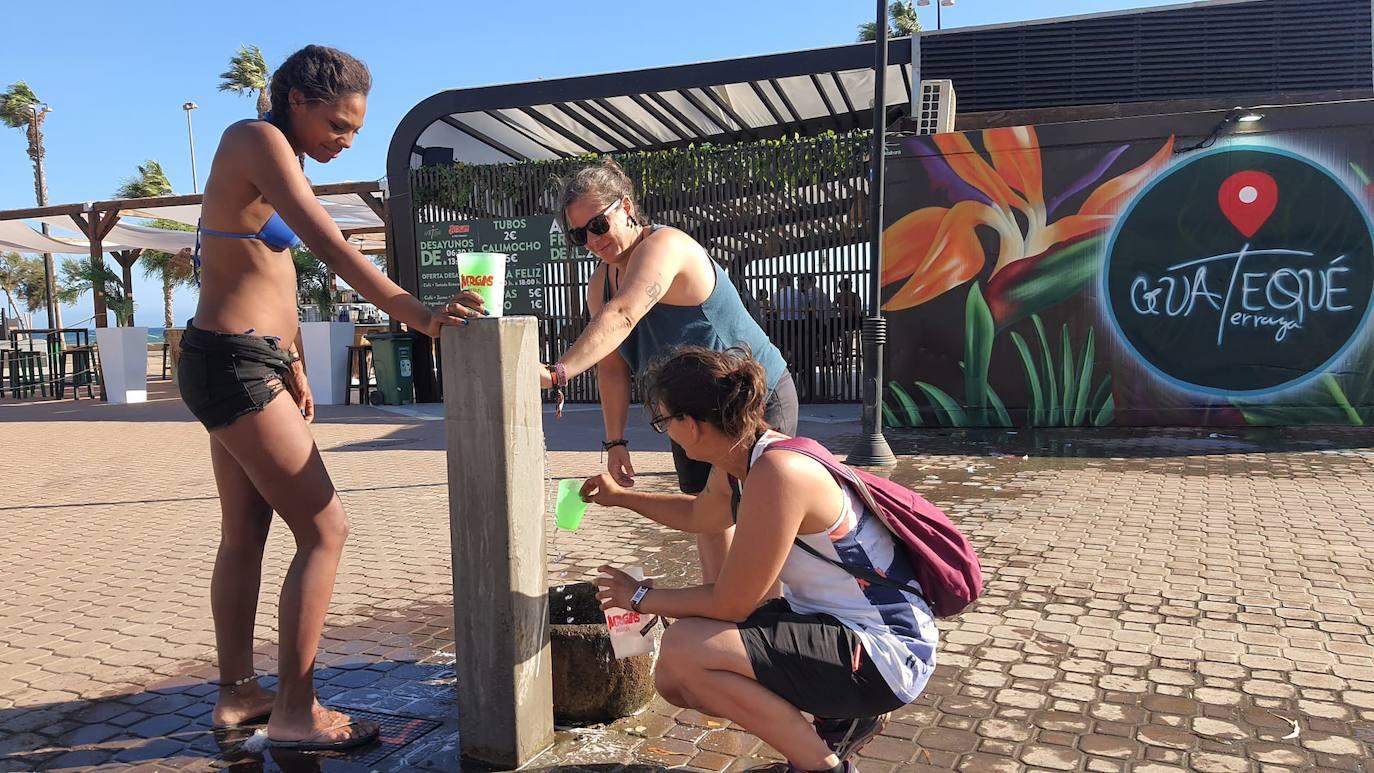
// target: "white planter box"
[[325, 353], [124, 363]]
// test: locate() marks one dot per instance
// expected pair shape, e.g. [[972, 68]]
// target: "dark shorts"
[[814, 663], [781, 414], [223, 376]]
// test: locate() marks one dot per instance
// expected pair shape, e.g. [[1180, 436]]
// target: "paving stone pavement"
[[1156, 601]]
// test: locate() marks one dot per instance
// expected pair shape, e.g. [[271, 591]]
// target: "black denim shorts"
[[814, 663], [223, 376]]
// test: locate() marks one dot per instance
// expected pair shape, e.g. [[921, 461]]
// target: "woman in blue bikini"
[[250, 391]]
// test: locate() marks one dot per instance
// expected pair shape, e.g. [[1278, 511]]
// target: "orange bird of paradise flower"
[[936, 249]]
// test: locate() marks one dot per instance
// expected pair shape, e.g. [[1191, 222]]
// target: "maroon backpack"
[[944, 561]]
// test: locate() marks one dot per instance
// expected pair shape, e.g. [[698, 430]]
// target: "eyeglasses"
[[660, 423], [598, 225]]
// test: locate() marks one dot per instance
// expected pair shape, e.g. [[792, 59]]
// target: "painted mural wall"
[[1049, 277]]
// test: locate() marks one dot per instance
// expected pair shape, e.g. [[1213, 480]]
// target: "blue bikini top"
[[275, 233]]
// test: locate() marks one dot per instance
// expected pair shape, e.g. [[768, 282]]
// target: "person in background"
[[816, 299], [850, 309], [791, 311], [765, 304], [849, 303]]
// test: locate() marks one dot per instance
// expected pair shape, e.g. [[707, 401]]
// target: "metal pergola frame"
[[684, 103]]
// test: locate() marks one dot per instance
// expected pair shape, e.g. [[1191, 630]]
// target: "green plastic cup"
[[568, 509], [485, 274]]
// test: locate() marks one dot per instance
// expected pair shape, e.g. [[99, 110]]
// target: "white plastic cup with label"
[[485, 274], [631, 632]]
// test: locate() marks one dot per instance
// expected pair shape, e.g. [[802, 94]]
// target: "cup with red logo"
[[485, 274], [631, 631]]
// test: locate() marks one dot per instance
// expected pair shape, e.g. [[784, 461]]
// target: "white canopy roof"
[[348, 212]]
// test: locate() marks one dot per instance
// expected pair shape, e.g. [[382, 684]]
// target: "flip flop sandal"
[[253, 721], [365, 732]]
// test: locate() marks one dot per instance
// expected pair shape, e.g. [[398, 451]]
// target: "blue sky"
[[117, 75]]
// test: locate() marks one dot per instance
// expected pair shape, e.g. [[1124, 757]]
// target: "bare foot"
[[239, 704], [323, 727]]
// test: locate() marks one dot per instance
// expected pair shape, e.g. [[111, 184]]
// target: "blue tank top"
[[720, 322]]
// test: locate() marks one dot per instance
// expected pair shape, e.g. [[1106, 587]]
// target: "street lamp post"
[[191, 138], [938, 6], [872, 448]]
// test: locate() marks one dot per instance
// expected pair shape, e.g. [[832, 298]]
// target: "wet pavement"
[[1156, 600]]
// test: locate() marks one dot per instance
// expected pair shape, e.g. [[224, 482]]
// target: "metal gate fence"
[[787, 219]]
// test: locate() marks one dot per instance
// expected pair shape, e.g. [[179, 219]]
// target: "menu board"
[[529, 244]]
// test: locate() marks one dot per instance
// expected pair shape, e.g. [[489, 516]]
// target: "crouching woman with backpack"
[[841, 648]]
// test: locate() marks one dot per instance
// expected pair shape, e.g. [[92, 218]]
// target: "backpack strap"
[[736, 494], [861, 572], [843, 475]]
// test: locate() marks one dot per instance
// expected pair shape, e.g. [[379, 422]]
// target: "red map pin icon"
[[1248, 199]]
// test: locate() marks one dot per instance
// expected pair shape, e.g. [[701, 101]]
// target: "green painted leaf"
[[890, 419], [1085, 382], [1292, 415], [1066, 364], [1037, 397], [1106, 414], [998, 408], [946, 409], [1342, 402], [1052, 392], [979, 331], [1325, 403], [1100, 397], [909, 407]]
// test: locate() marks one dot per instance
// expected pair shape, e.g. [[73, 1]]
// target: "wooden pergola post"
[[96, 226], [126, 260], [379, 206]]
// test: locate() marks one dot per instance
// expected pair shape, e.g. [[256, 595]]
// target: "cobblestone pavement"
[[1156, 601]]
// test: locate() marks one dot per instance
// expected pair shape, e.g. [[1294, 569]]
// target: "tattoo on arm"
[[653, 291]]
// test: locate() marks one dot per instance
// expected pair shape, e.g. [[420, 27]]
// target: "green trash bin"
[[391, 358]]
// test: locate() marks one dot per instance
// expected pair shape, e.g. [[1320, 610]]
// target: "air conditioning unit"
[[934, 108]]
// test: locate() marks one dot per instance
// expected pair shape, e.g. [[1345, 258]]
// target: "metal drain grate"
[[396, 733]]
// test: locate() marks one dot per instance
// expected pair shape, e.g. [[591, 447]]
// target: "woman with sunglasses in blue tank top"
[[250, 391], [656, 289]]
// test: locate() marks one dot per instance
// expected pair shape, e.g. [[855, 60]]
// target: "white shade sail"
[[347, 211]]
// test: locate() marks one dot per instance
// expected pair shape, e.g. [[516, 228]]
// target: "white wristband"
[[638, 597]]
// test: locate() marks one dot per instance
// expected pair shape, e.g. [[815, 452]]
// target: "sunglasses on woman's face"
[[660, 423], [598, 225]]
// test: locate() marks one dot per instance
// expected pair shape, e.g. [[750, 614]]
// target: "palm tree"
[[151, 181], [904, 22], [21, 108], [247, 74], [174, 269], [314, 281], [21, 280], [80, 276]]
